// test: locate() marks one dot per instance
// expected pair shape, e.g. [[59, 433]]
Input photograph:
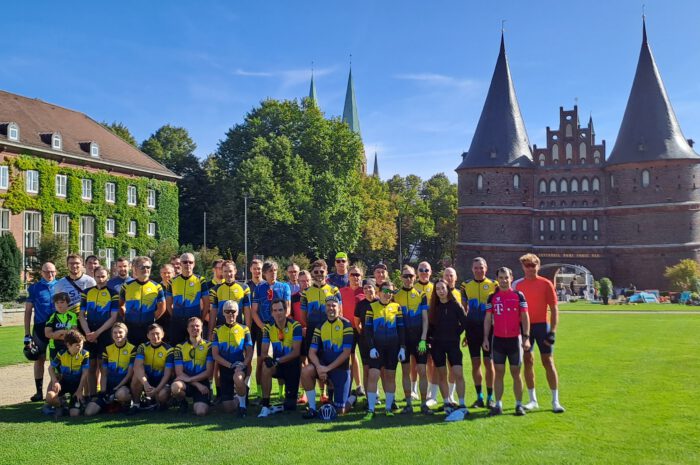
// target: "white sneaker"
[[557, 408], [276, 409], [532, 405], [264, 413], [415, 395], [431, 403]]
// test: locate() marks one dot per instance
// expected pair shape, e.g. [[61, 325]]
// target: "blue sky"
[[421, 69]]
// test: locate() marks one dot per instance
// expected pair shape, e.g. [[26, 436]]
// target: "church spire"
[[312, 88], [500, 138], [649, 129], [350, 110], [375, 172]]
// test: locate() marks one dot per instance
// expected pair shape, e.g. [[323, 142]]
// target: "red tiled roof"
[[36, 118]]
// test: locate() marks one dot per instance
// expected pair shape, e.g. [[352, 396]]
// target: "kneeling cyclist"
[[153, 369], [115, 373], [69, 371], [232, 349], [329, 355], [285, 337], [194, 366]]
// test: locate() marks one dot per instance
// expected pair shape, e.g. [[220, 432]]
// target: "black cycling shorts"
[[227, 388], [412, 351], [475, 339], [444, 351], [538, 333], [510, 348], [388, 357]]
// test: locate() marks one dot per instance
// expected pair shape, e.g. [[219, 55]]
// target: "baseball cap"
[[340, 255], [332, 298], [380, 266]]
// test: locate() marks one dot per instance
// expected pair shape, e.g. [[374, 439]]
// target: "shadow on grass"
[[217, 420]]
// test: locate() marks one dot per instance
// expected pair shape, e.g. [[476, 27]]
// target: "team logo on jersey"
[[160, 354], [486, 286], [337, 328], [191, 283], [201, 347], [125, 352], [104, 293], [286, 330]]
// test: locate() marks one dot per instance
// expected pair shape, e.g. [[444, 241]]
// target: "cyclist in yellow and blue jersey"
[[153, 368], [329, 357], [228, 290], [475, 294], [194, 366], [313, 301], [423, 282], [386, 337], [142, 301], [232, 349], [98, 312], [285, 337], [450, 277], [187, 297], [414, 308], [117, 369], [69, 369]]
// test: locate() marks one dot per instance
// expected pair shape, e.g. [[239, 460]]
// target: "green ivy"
[[165, 215]]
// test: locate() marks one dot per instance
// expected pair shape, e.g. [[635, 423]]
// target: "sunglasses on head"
[[356, 274], [423, 270]]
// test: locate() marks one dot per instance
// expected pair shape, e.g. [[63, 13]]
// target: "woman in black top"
[[447, 321]]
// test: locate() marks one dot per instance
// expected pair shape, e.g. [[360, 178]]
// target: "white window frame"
[[151, 198], [516, 181], [86, 189], [132, 228], [646, 178], [94, 149], [4, 221], [110, 226], [61, 185], [87, 235], [61, 226], [31, 234], [32, 181], [110, 192], [13, 127], [4, 176], [151, 229], [56, 142], [131, 197], [132, 254]]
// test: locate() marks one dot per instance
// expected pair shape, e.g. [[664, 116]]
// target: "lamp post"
[[245, 235], [400, 245]]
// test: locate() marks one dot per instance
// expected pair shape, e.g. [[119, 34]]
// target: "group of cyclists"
[[119, 341]]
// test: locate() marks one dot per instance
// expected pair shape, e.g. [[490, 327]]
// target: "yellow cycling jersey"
[[313, 303], [231, 342], [413, 303], [331, 339], [155, 359], [240, 293], [282, 340], [384, 321], [193, 358], [117, 361], [426, 288], [187, 293], [98, 305], [141, 301], [474, 296], [71, 367]]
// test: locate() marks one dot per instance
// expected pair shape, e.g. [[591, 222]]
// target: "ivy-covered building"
[[64, 174]]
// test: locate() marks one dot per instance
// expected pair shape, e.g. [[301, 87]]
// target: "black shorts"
[[538, 333], [138, 333], [98, 347], [226, 388], [510, 348], [39, 336], [446, 351], [412, 351], [306, 342], [193, 392], [290, 373], [364, 349], [256, 337], [475, 339], [178, 331], [388, 357], [154, 380], [68, 387]]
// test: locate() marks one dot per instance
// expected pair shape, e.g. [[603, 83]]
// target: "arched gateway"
[[570, 280]]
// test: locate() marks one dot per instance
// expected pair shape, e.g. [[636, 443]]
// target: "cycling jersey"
[[413, 303], [474, 296], [155, 359], [384, 324], [187, 293], [426, 288], [265, 293], [331, 339], [313, 303], [506, 308], [74, 288], [117, 361], [141, 301], [70, 368], [240, 293], [193, 359], [540, 295], [99, 305], [282, 340], [231, 341], [40, 294], [338, 280], [60, 321]]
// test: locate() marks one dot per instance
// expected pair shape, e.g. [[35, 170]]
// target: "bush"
[[10, 268], [51, 249], [606, 289]]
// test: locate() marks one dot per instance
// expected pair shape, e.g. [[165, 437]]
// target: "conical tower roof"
[[649, 129], [312, 90], [350, 110], [500, 138], [375, 172]]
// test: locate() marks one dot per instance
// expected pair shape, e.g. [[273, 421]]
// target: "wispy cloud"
[[288, 77], [440, 79], [242, 72]]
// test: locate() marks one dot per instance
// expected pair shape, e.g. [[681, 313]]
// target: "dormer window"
[[13, 131], [94, 149], [56, 142]]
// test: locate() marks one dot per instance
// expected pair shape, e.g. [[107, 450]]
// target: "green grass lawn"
[[629, 383], [614, 307], [11, 345]]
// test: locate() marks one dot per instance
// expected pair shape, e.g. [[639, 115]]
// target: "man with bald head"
[[187, 297]]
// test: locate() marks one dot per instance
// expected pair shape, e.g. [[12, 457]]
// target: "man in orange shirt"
[[540, 295]]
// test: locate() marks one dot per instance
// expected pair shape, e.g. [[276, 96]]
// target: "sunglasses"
[[424, 270], [187, 262], [341, 261], [355, 274], [145, 267], [318, 272], [407, 276], [229, 312], [387, 290], [529, 265]]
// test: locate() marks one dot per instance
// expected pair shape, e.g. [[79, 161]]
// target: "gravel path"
[[17, 384]]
